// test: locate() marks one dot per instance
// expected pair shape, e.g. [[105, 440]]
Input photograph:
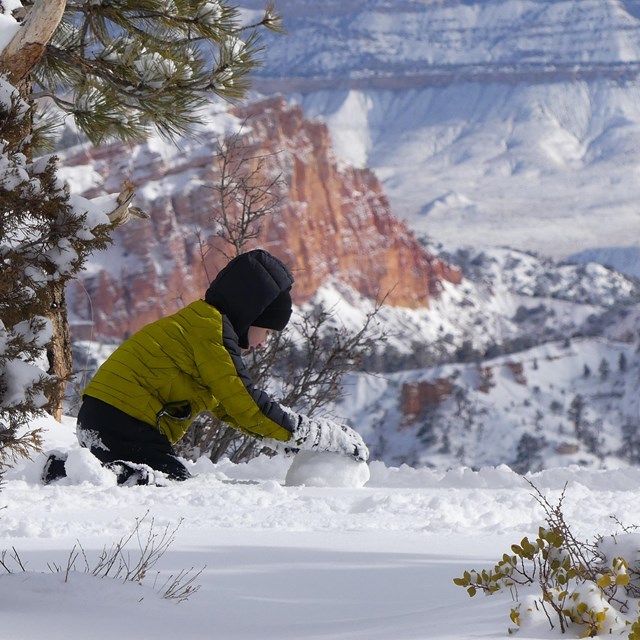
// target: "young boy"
[[145, 395]]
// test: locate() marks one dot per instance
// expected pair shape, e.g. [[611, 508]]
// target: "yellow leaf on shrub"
[[622, 580]]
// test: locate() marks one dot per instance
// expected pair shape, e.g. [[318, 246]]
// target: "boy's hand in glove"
[[313, 434]]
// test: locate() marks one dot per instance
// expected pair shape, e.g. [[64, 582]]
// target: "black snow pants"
[[114, 436]]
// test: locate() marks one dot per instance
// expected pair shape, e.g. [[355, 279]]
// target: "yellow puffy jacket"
[[181, 365]]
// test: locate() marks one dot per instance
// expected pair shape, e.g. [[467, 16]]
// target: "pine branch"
[[123, 69]]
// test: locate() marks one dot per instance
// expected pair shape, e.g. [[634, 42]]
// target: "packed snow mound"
[[326, 469]]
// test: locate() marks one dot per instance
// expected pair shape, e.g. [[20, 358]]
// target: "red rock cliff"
[[332, 222]]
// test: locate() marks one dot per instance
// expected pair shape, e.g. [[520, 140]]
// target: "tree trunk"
[[59, 352], [28, 45]]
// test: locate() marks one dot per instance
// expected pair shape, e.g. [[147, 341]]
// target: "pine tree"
[[575, 413], [622, 362], [122, 69], [43, 241], [630, 449], [529, 453]]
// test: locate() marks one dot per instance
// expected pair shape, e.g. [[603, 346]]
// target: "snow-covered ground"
[[278, 561]]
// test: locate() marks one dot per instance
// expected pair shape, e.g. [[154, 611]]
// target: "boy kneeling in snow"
[[145, 395]]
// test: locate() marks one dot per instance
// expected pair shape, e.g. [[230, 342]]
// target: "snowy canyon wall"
[[374, 43], [333, 223], [495, 122]]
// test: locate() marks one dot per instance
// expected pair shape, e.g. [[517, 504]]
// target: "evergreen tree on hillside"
[[529, 453], [604, 368], [575, 413], [630, 449], [622, 362], [122, 69]]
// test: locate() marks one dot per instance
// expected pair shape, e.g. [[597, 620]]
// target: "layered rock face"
[[329, 223], [361, 44]]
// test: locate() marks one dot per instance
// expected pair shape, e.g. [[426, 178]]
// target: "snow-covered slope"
[[501, 122], [555, 405], [549, 167], [278, 562], [528, 362], [508, 301]]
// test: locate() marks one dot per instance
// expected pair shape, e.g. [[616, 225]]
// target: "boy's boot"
[[54, 468], [130, 473]]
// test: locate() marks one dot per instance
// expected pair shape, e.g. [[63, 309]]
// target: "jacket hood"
[[245, 289]]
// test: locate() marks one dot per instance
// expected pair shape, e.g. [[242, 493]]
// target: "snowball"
[[324, 469]]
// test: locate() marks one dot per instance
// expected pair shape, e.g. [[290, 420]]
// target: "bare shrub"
[[305, 364], [118, 563]]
